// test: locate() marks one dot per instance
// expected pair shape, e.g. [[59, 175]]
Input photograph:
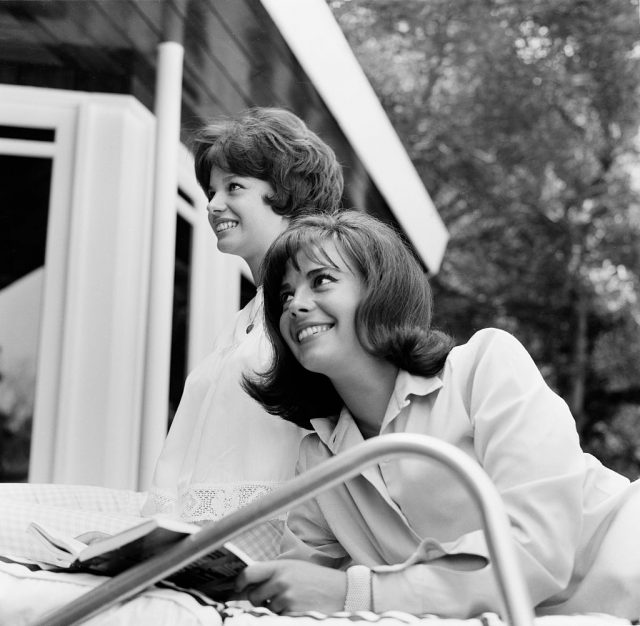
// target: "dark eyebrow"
[[322, 268], [311, 273]]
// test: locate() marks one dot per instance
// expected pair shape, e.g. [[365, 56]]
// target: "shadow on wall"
[[16, 415]]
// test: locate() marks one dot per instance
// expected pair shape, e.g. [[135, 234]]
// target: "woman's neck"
[[367, 395], [254, 270]]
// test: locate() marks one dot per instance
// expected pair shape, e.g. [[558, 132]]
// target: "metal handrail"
[[328, 474]]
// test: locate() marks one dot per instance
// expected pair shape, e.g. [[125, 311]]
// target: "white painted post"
[[165, 181]]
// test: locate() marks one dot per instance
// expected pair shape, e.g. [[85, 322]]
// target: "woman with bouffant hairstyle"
[[276, 146]]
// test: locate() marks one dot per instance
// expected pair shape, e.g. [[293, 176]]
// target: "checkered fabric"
[[67, 509], [261, 543]]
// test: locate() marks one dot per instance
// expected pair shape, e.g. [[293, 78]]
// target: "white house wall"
[[88, 425], [103, 337]]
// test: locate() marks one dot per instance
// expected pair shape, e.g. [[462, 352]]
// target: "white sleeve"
[[525, 439], [307, 535]]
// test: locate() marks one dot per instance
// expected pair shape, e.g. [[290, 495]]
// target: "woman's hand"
[[291, 586], [92, 536]]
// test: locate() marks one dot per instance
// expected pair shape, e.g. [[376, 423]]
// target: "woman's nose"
[[216, 204], [299, 304]]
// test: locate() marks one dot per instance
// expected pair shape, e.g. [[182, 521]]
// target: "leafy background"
[[522, 117]]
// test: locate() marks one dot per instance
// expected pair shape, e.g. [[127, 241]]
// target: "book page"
[[213, 574], [63, 550]]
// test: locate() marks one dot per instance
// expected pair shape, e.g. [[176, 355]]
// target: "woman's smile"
[[319, 304], [221, 226], [311, 331]]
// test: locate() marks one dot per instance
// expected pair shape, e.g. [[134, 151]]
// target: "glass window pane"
[[180, 327], [24, 206]]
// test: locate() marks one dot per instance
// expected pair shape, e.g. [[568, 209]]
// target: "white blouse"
[[491, 402], [223, 450]]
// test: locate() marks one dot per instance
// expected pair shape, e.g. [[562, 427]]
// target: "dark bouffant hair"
[[276, 146], [393, 320]]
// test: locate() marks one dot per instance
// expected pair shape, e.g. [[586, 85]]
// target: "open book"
[[212, 575]]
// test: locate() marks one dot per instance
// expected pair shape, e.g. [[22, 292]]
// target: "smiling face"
[[318, 320], [243, 222]]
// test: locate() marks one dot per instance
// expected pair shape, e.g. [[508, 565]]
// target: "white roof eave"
[[315, 38]]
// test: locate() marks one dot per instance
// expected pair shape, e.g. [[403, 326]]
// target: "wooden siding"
[[234, 58]]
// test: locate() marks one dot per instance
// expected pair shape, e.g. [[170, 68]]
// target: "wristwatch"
[[358, 589]]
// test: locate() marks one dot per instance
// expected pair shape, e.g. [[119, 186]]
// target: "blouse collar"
[[341, 433]]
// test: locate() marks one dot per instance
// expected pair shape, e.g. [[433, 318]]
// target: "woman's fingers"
[[288, 585], [257, 583], [254, 575]]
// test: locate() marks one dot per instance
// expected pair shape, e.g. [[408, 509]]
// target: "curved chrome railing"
[[517, 605]]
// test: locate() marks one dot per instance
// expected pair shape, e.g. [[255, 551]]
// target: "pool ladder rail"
[[515, 598]]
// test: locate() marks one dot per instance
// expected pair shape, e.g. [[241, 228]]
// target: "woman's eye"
[[323, 279], [234, 186], [285, 297]]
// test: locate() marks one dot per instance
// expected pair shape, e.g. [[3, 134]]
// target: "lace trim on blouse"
[[207, 502]]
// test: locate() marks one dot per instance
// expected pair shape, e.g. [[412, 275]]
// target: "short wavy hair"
[[393, 319], [276, 146]]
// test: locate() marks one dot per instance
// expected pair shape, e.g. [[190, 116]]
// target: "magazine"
[[98, 553]]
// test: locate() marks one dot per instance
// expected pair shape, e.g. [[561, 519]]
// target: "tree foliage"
[[523, 118]]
